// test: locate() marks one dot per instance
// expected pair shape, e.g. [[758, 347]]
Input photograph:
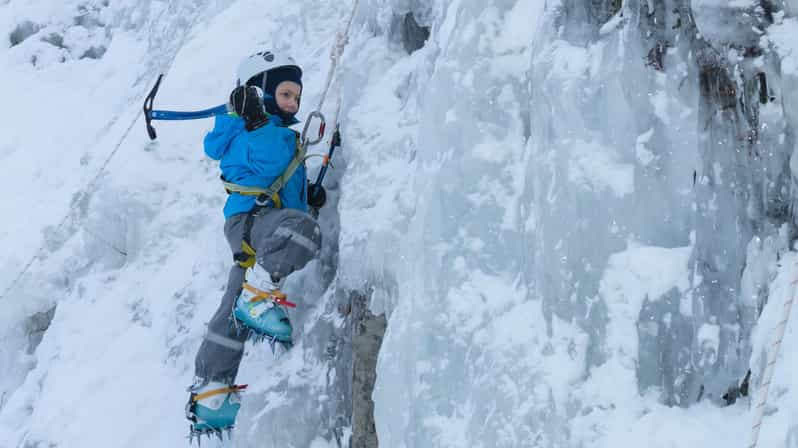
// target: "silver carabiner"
[[304, 136]]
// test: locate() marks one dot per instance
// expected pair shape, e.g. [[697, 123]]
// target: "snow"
[[709, 337], [636, 275], [516, 197], [783, 37], [726, 20], [644, 156], [596, 168], [615, 22]]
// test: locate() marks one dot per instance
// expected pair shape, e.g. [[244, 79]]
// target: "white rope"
[[773, 355], [341, 39]]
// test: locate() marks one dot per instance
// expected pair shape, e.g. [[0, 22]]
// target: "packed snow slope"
[[577, 217]]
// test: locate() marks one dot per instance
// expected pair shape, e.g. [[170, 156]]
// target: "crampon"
[[211, 433], [212, 411]]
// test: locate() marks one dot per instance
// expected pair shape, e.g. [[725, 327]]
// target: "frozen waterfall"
[[552, 224]]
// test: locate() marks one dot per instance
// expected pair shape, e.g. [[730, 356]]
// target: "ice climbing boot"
[[212, 408], [263, 312]]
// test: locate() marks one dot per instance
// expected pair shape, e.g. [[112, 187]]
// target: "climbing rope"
[[773, 355], [341, 39], [41, 252]]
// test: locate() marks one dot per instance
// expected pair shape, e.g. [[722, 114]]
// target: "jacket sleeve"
[[270, 150], [225, 129]]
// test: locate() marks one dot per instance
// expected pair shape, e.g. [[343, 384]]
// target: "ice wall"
[[469, 357], [602, 197]]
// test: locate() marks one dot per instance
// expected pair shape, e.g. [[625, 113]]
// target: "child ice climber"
[[271, 234]]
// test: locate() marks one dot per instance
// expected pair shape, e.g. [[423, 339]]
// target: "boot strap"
[[277, 296], [223, 390]]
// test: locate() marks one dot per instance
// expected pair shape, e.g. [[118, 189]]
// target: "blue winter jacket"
[[256, 159]]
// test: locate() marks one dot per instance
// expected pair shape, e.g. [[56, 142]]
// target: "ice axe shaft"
[[334, 143], [150, 114]]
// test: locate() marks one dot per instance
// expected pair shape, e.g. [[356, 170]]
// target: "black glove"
[[247, 102], [316, 195]]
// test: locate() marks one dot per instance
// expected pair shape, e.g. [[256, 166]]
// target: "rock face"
[[367, 333], [36, 326]]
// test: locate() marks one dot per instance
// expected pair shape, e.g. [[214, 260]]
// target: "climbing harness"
[[269, 197], [773, 355], [246, 258]]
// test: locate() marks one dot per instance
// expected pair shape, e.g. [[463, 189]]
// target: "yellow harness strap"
[[246, 258], [245, 190], [274, 189], [250, 256]]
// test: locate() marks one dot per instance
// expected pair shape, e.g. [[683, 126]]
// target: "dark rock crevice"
[[36, 326], [23, 31], [414, 36], [366, 332]]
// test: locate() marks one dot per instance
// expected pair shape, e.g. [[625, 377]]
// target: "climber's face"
[[287, 96]]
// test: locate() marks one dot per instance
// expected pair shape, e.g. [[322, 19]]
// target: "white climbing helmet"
[[260, 62]]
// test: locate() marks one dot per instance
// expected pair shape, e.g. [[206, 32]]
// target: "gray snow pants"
[[285, 241]]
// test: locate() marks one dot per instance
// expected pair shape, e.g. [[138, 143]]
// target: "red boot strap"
[[277, 296], [223, 390]]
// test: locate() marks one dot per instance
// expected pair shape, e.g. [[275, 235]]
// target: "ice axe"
[[222, 109], [154, 114], [335, 142]]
